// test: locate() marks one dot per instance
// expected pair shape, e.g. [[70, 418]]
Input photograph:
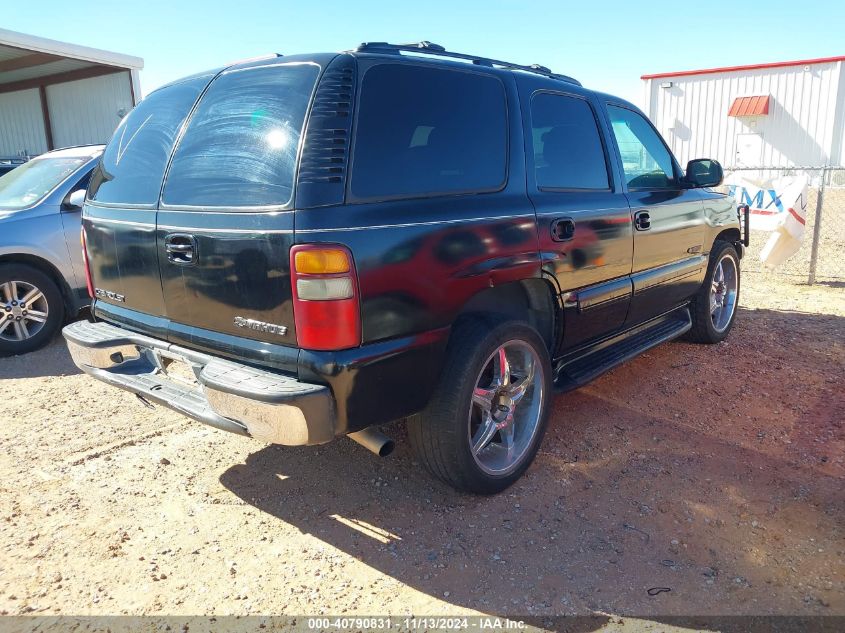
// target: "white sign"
[[777, 206]]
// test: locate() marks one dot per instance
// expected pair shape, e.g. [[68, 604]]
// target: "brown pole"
[[132, 89], [45, 110]]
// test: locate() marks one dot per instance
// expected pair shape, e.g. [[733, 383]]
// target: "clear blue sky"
[[606, 44]]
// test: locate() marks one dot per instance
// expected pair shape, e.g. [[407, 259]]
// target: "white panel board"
[[21, 123], [88, 110]]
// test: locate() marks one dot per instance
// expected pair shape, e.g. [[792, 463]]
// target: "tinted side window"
[[424, 131], [82, 183], [646, 161], [240, 147], [134, 161], [568, 152]]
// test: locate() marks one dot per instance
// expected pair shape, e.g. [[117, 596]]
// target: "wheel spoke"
[[32, 296], [507, 433], [717, 315], [18, 331], [7, 292], [720, 273], [484, 435], [36, 316], [13, 286], [483, 397], [518, 389], [502, 368], [4, 325], [24, 328]]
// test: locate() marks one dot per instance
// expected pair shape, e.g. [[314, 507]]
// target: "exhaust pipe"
[[374, 441]]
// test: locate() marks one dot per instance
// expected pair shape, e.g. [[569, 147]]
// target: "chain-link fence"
[[821, 258]]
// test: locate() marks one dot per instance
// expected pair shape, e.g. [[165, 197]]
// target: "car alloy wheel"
[[23, 310], [723, 292], [506, 408]]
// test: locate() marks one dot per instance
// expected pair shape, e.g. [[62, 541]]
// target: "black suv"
[[299, 248]]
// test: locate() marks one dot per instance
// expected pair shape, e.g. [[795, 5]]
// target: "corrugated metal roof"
[[9, 52], [43, 70], [26, 59], [32, 43], [750, 106], [727, 69]]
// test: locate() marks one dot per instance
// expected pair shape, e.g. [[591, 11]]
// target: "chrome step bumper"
[[268, 406]]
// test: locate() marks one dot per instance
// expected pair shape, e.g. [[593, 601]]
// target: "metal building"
[[777, 115], [54, 94]]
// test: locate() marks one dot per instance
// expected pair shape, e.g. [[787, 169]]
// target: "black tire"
[[703, 329], [440, 435], [52, 296]]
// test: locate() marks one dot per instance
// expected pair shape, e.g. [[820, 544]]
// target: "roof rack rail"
[[429, 48]]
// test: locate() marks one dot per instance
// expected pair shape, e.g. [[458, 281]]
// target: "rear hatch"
[[209, 262], [119, 217], [225, 222]]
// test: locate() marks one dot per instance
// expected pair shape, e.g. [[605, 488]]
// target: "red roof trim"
[[708, 71], [750, 106]]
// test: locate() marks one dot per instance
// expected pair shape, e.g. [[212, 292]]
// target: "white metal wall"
[[805, 124], [87, 111], [21, 123]]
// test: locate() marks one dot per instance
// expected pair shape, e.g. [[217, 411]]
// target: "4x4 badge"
[[260, 326]]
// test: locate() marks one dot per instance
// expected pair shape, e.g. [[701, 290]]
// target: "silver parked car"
[[42, 274], [7, 164]]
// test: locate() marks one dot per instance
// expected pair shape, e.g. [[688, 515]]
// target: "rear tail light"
[[326, 304], [88, 281]]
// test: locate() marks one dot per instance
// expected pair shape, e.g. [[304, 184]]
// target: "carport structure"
[[54, 94]]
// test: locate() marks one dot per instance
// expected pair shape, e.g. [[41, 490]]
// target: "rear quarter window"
[[429, 131], [240, 146], [568, 150], [134, 161]]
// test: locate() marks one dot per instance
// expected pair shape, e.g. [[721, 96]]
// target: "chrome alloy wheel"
[[23, 310], [723, 292], [507, 402]]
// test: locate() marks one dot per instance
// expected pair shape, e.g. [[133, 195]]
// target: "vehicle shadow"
[[831, 283], [51, 360], [664, 488]]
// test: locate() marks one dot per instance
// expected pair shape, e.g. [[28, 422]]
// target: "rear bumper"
[[239, 398]]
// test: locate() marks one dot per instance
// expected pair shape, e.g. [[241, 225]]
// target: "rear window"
[[134, 161], [240, 147], [428, 131]]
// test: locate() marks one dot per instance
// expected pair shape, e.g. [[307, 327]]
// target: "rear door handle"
[[181, 248], [642, 221], [563, 229]]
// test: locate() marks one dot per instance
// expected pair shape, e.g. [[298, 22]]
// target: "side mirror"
[[704, 172], [75, 200]]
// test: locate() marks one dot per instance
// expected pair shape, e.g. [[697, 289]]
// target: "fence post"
[[817, 229]]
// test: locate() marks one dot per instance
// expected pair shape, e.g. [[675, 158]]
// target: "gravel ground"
[[714, 472]]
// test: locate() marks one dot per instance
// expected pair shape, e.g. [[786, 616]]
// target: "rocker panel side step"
[[576, 370]]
